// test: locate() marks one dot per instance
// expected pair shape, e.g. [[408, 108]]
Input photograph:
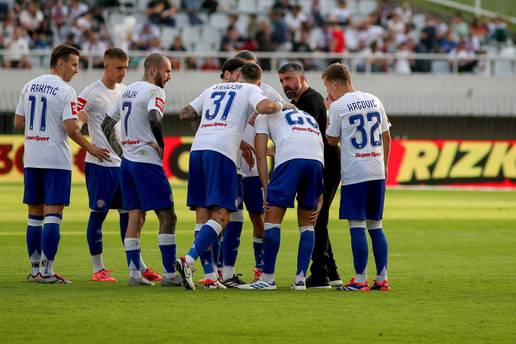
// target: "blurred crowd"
[[287, 26]]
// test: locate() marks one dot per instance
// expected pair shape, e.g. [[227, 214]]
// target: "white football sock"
[[98, 264]]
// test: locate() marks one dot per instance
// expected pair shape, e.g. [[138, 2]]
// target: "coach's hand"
[[100, 153]]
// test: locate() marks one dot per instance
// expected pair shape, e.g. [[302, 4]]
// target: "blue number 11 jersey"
[[225, 110]]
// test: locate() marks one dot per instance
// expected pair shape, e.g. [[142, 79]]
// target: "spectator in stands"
[[210, 64], [43, 36], [76, 9], [498, 30], [479, 33], [18, 50], [31, 17], [265, 43], [464, 56], [405, 12], [421, 66], [210, 6], [459, 27], [282, 6], [446, 43], [177, 45], [7, 28], [253, 26], [161, 12], [294, 20], [316, 16], [402, 65], [143, 35], [232, 40], [428, 36], [341, 14], [93, 50], [59, 14], [239, 25], [337, 42], [280, 32]]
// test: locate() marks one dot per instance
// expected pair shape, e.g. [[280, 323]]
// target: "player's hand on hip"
[[100, 153], [158, 149]]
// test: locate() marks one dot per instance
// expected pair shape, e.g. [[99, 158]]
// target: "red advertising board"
[[413, 162]]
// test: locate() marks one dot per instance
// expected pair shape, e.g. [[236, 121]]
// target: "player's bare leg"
[[34, 229]]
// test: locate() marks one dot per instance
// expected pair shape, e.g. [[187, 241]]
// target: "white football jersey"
[[295, 134], [46, 102], [97, 100], [225, 110], [132, 110], [359, 119], [249, 132]]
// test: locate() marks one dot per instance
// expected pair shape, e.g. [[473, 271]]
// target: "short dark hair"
[[62, 52], [292, 67], [246, 55], [116, 53], [231, 65], [153, 60], [251, 72], [337, 72]]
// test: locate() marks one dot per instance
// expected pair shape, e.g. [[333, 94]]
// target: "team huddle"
[[228, 168]]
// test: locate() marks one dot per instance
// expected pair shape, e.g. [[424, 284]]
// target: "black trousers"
[[323, 262]]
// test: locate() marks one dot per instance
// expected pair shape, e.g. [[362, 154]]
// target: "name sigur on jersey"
[[361, 105], [42, 88]]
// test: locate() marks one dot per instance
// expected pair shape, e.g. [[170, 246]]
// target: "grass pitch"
[[452, 269]]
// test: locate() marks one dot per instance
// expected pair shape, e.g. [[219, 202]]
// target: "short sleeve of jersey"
[[19, 107], [333, 129], [83, 101], [385, 124], [255, 96], [197, 103], [70, 105], [272, 94], [261, 125], [157, 101]]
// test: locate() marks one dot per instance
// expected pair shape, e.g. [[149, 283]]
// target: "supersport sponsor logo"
[[309, 130], [37, 138], [216, 124], [131, 142], [368, 155]]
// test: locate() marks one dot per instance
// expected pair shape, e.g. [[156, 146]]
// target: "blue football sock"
[[218, 255], [124, 220], [132, 251], [258, 252], [271, 244], [380, 250], [34, 228], [306, 247], [206, 258], [231, 242], [360, 250], [207, 235], [167, 246], [50, 236], [94, 232]]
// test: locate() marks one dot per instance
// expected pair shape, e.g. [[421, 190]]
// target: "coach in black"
[[294, 83]]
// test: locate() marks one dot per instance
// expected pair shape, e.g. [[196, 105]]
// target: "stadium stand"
[[351, 27]]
